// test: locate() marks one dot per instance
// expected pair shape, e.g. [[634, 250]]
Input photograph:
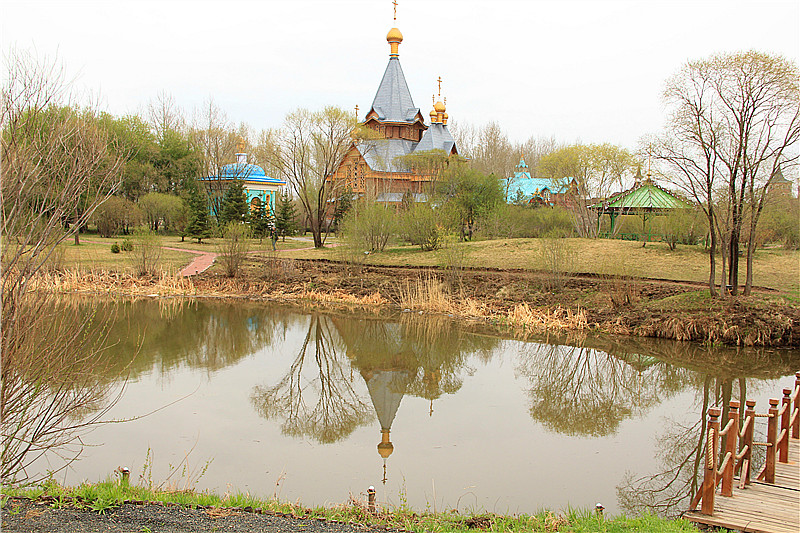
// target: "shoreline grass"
[[104, 496]]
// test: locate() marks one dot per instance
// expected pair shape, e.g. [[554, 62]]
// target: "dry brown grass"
[[426, 293], [524, 318], [165, 284], [774, 268]]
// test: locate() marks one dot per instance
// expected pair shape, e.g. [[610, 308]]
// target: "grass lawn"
[[774, 268], [95, 253]]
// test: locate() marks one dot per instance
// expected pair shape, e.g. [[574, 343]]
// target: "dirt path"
[[205, 259]]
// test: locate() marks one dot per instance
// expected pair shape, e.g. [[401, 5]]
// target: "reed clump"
[[426, 293], [525, 318], [165, 283]]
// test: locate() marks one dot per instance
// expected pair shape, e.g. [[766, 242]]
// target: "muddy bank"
[[522, 303]]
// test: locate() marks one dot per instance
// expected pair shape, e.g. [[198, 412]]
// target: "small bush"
[[514, 221], [369, 225], [556, 257], [115, 248], [421, 227], [147, 252], [234, 247]]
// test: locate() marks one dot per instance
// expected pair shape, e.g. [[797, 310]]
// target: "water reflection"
[[315, 398], [341, 382]]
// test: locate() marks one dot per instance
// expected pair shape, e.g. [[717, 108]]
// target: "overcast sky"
[[577, 70]]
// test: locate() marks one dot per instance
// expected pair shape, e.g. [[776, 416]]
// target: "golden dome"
[[434, 114], [385, 449], [439, 107], [394, 35]]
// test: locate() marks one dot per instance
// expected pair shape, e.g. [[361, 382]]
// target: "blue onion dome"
[[241, 170]]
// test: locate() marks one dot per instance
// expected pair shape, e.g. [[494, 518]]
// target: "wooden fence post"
[[783, 447], [710, 474], [730, 448], [796, 425], [772, 438], [747, 440]]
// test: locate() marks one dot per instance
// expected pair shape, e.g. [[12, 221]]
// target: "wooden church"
[[374, 167]]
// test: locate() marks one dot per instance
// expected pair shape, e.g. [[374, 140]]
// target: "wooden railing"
[[777, 445]]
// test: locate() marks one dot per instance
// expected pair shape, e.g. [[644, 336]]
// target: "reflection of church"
[[372, 167], [386, 389]]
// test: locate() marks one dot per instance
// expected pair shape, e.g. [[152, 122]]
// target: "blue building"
[[523, 188], [259, 188]]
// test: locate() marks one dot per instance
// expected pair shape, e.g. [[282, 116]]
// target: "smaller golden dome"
[[385, 449], [434, 114], [394, 35], [439, 107]]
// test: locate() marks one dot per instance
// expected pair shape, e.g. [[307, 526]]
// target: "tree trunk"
[[733, 261], [712, 258], [751, 245]]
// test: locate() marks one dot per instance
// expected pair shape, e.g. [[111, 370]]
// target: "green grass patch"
[[100, 497]]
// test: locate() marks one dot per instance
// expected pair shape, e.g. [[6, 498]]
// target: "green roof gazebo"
[[645, 199]]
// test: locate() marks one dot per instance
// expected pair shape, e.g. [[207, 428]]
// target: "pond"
[[316, 407]]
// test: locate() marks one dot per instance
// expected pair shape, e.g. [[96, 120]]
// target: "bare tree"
[[335, 409], [734, 119], [58, 166], [164, 116], [213, 134], [308, 149]]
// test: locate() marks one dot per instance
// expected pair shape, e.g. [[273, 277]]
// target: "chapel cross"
[[395, 9]]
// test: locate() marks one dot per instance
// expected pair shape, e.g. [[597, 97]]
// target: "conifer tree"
[[284, 219], [262, 221], [233, 207], [198, 226]]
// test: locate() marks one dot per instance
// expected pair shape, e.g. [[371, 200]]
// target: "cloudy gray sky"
[[573, 69]]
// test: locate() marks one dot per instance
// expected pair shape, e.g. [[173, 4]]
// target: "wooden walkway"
[[761, 507], [768, 503]]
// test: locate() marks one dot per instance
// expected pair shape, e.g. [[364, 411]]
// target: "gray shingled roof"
[[393, 101], [380, 155], [436, 137]]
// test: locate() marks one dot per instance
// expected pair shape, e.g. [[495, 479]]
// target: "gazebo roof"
[[646, 196]]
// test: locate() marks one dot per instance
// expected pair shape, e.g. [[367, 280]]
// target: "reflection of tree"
[[581, 391], [337, 409], [681, 448], [203, 335]]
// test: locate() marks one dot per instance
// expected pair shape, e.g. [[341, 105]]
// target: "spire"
[[440, 107], [393, 102], [394, 37], [241, 156]]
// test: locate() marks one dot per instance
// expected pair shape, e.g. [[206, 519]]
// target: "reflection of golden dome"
[[394, 35], [385, 450], [439, 107]]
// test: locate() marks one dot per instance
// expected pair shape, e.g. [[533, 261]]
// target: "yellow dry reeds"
[[525, 318], [343, 297], [426, 293], [164, 284]]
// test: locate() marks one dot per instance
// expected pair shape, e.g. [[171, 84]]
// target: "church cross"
[[440, 85], [395, 9]]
